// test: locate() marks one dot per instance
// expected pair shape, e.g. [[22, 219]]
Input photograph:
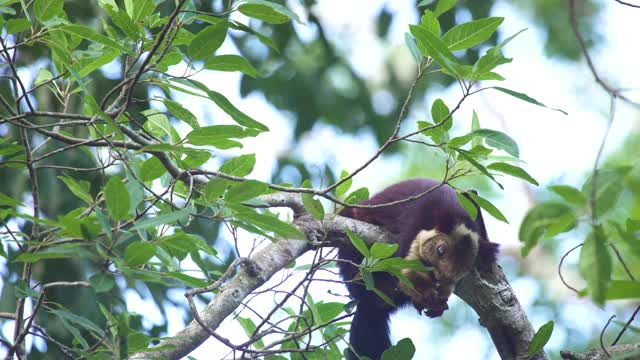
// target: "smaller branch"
[[602, 335], [627, 4], [560, 268], [626, 326], [583, 47], [624, 264], [598, 354], [152, 51]]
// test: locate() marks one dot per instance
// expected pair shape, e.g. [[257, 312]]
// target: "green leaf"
[[44, 255], [268, 11], [467, 205], [44, 75], [184, 242], [216, 135], [245, 190], [6, 200], [610, 185], [151, 169], [79, 188], [489, 61], [78, 320], [488, 206], [47, 9], [492, 58], [538, 220], [570, 194], [189, 280], [344, 187], [595, 265], [263, 39], [181, 113], [444, 6], [358, 243], [313, 206], [468, 156], [623, 289], [436, 133], [382, 250], [430, 22], [92, 35], [513, 171], [231, 63], [102, 282], [357, 196], [122, 335], [439, 112], [162, 219], [460, 141], [541, 338], [8, 149], [410, 41], [264, 13], [138, 253], [139, 9], [117, 198], [430, 45], [499, 140], [395, 264], [226, 106], [239, 166], [89, 65], [525, 97], [208, 40], [466, 35], [268, 223], [15, 26], [249, 328], [122, 20], [158, 124], [215, 188], [560, 224], [403, 350]]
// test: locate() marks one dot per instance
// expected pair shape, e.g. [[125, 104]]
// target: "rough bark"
[[487, 291], [627, 351]]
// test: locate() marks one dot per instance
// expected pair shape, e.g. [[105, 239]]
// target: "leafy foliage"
[[129, 186]]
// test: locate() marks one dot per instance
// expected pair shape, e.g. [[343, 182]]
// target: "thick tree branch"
[[487, 291], [627, 351]]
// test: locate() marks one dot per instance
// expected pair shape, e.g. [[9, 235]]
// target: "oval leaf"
[[231, 63], [138, 253], [541, 338], [595, 265], [499, 140], [466, 35], [513, 171], [151, 169], [245, 190], [208, 40], [488, 206], [117, 198]]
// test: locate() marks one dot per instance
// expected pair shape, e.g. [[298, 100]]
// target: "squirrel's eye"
[[440, 250]]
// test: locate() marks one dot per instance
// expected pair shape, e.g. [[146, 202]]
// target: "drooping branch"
[[487, 291]]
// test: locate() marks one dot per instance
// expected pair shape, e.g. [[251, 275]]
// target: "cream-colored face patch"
[[423, 237], [462, 230]]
